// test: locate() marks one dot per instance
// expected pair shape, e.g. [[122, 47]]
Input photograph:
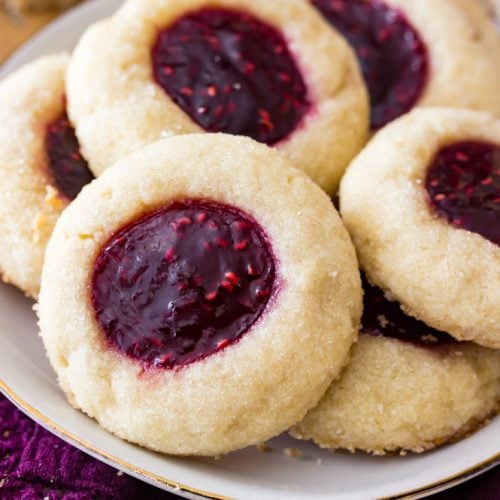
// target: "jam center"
[[182, 283], [232, 73], [68, 169], [384, 318], [392, 56], [463, 183]]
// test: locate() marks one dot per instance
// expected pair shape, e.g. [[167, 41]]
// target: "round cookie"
[[407, 387], [42, 169], [199, 296], [414, 53], [421, 204], [273, 71]]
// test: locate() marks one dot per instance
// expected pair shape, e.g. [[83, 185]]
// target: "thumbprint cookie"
[[199, 296], [272, 71], [42, 168], [421, 203], [420, 53], [407, 387]]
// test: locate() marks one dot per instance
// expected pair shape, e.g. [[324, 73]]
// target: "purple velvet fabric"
[[34, 465]]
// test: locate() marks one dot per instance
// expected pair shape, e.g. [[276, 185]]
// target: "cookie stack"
[[203, 294]]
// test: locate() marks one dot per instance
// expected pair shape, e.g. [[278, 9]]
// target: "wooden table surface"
[[13, 31]]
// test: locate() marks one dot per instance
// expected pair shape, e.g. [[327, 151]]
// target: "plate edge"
[[179, 488], [174, 486], [449, 482]]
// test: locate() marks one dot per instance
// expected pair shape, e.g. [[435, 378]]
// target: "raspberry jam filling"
[[463, 183], [392, 55], [182, 283], [384, 318], [231, 72], [68, 169]]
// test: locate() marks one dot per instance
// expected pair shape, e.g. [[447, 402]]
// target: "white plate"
[[27, 379]]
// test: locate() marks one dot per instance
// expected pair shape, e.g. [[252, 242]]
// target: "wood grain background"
[[14, 31]]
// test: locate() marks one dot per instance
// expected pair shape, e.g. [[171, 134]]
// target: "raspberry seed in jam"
[[182, 283], [232, 73], [392, 55], [67, 167], [463, 183]]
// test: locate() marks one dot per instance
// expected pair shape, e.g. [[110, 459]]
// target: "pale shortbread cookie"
[[463, 51], [421, 53], [446, 276], [396, 396], [118, 107], [253, 389], [30, 100]]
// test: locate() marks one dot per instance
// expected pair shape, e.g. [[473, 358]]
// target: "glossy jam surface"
[[67, 168], [392, 55], [231, 72], [182, 283], [384, 318], [463, 183]]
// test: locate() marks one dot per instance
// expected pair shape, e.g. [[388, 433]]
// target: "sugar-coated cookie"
[[42, 169], [421, 204], [407, 387], [421, 53], [273, 71], [199, 296]]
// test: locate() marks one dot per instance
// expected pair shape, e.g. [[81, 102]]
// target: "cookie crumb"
[[383, 322], [84, 236], [429, 338], [119, 473], [293, 452], [52, 198], [264, 448], [39, 227]]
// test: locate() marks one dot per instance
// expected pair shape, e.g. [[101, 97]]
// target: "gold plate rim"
[[177, 488], [174, 486]]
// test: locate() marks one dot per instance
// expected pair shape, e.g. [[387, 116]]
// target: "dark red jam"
[[182, 283], [383, 318], [231, 72], [463, 183], [392, 55], [67, 167]]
